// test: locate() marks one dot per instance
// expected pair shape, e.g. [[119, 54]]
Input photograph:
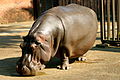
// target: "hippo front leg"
[[64, 60], [65, 63]]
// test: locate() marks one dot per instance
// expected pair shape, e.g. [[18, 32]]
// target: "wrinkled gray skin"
[[63, 31]]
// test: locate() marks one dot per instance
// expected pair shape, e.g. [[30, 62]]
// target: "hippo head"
[[35, 52]]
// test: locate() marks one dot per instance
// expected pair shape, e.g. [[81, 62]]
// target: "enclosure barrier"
[[108, 13], [110, 21]]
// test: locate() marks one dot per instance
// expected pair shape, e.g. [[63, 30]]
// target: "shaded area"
[[7, 66], [9, 29], [53, 63], [104, 48], [9, 41]]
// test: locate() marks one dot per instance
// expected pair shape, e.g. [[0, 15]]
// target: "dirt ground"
[[101, 64]]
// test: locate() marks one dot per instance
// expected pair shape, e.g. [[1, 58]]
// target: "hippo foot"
[[65, 67], [42, 67], [82, 58]]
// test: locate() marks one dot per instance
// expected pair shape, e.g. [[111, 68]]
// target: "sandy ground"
[[101, 64]]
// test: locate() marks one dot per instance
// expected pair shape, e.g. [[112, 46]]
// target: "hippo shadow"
[[8, 66], [53, 63], [56, 62]]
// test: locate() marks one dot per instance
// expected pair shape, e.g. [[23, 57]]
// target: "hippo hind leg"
[[64, 56], [82, 58]]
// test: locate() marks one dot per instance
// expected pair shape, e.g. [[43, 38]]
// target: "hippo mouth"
[[27, 67], [25, 70]]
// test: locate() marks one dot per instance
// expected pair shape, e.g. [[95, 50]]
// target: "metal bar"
[[96, 6], [52, 3], [98, 9], [82, 2], [104, 6], [63, 2], [70, 1], [36, 8], [88, 3], [60, 2], [73, 1], [101, 19], [108, 19], [118, 21], [113, 19], [67, 2], [85, 2], [43, 5], [78, 1]]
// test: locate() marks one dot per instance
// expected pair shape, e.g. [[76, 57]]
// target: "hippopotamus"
[[63, 31]]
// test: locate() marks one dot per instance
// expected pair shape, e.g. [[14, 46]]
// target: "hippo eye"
[[46, 40], [39, 44]]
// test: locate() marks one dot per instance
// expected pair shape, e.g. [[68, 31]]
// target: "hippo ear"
[[22, 45], [24, 37]]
